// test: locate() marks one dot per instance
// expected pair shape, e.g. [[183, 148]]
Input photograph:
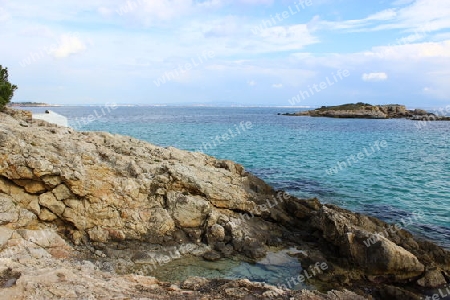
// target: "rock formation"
[[82, 212], [366, 111]]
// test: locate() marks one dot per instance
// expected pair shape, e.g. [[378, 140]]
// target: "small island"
[[367, 111]]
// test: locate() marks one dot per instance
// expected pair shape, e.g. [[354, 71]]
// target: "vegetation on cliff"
[[348, 106], [29, 104], [6, 88]]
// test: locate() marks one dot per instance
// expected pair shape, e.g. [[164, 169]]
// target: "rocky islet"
[[367, 111]]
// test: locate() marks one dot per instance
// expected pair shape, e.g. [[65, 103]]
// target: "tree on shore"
[[6, 88]]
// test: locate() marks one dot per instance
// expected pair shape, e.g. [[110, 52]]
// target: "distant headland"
[[367, 111], [31, 104]]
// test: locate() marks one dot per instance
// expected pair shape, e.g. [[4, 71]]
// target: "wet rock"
[[397, 293], [254, 248], [212, 256], [216, 233], [225, 249]]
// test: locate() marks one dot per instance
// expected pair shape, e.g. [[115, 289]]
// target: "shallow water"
[[276, 268]]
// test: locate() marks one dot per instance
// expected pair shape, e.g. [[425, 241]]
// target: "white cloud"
[[4, 16], [151, 12], [387, 14], [165, 10], [372, 77], [429, 14], [227, 26], [38, 31], [283, 38], [105, 11], [254, 2], [353, 25], [402, 2], [420, 50], [127, 52], [69, 44], [211, 4]]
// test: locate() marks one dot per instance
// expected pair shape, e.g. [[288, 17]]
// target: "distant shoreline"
[[32, 104]]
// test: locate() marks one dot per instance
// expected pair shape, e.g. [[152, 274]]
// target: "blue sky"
[[248, 52]]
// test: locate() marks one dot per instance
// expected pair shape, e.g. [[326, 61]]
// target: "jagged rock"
[[62, 192], [46, 215], [366, 111], [194, 283], [420, 112], [49, 201], [5, 235], [432, 279], [188, 211], [115, 196], [59, 279], [8, 210], [26, 217], [30, 186], [34, 207], [381, 257], [212, 256], [394, 292], [216, 233], [386, 257]]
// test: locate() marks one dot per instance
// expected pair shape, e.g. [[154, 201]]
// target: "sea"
[[397, 170]]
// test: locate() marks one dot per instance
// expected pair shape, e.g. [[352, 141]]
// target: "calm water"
[[411, 173], [276, 269]]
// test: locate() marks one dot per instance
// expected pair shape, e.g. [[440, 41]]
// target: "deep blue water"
[[410, 173]]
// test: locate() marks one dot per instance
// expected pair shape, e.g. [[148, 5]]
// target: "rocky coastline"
[[367, 111], [84, 214]]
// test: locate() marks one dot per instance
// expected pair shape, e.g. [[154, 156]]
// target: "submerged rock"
[[70, 197]]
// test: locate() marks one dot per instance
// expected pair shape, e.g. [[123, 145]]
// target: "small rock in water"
[[212, 256]]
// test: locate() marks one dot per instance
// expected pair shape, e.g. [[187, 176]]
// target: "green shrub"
[[6, 88]]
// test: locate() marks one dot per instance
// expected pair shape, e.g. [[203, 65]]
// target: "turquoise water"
[[411, 173], [276, 268]]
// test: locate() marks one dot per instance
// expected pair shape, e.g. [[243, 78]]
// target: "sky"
[[228, 52]]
